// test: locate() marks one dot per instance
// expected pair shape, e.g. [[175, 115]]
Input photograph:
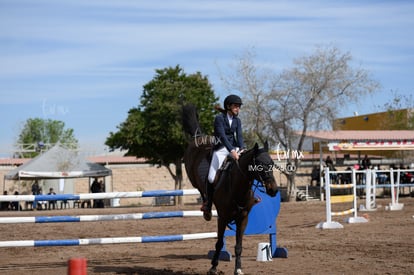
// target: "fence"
[[339, 199], [261, 221]]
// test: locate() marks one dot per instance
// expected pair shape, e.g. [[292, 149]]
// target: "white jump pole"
[[355, 218], [370, 191], [329, 224], [394, 205]]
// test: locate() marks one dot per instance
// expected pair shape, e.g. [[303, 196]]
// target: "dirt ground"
[[384, 245]]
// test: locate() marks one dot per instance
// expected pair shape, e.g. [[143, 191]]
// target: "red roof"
[[95, 159], [388, 135], [116, 159], [13, 161]]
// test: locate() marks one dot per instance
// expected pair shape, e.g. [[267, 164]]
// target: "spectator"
[[40, 204], [329, 163], [35, 191], [347, 177], [5, 205], [35, 188], [97, 187], [315, 175], [52, 203], [381, 176], [406, 176], [366, 163], [15, 205]]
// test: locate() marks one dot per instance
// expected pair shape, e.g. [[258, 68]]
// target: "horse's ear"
[[266, 146], [256, 146]]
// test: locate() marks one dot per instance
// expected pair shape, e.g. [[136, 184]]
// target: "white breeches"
[[217, 160]]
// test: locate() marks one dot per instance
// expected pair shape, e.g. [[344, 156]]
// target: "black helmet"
[[232, 99]]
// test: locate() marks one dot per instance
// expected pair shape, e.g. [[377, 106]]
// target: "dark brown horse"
[[233, 198]]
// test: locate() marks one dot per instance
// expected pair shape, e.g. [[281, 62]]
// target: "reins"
[[250, 181], [256, 184]]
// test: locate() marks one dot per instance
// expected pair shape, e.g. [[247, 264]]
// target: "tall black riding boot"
[[207, 207]]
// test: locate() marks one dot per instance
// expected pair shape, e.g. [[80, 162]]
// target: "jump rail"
[[263, 222], [395, 185], [109, 195], [93, 218], [101, 241], [330, 199]]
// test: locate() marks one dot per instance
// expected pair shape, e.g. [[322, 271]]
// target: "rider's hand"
[[234, 154]]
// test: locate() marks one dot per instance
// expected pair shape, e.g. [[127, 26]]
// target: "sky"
[[85, 62]]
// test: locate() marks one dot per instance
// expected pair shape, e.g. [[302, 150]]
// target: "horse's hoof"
[[207, 215], [238, 272], [212, 271]]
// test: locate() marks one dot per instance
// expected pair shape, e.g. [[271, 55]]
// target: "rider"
[[228, 133]]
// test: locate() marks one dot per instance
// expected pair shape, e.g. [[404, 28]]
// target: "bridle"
[[256, 179], [260, 177], [267, 168]]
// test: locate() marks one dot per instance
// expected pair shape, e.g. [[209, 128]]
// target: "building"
[[402, 119]]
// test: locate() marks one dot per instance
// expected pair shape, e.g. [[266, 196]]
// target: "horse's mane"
[[254, 149], [247, 153], [252, 152]]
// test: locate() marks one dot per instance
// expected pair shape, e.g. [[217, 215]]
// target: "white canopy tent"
[[58, 163]]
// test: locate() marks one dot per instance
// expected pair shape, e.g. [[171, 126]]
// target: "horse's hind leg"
[[219, 245]]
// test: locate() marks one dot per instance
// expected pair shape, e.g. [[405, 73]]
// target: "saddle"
[[222, 171]]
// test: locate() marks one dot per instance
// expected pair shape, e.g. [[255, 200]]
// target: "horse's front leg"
[[238, 248], [221, 227]]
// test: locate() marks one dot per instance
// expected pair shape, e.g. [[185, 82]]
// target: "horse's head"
[[262, 167]]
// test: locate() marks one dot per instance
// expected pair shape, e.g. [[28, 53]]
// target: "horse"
[[233, 197]]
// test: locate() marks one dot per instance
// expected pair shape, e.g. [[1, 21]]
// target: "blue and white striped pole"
[[93, 218], [109, 195], [115, 240]]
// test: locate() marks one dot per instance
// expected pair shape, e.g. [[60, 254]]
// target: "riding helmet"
[[232, 99]]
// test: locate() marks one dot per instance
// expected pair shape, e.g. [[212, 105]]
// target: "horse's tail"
[[191, 124]]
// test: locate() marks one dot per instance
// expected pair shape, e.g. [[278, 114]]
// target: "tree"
[[400, 114], [282, 107], [38, 132], [154, 130]]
